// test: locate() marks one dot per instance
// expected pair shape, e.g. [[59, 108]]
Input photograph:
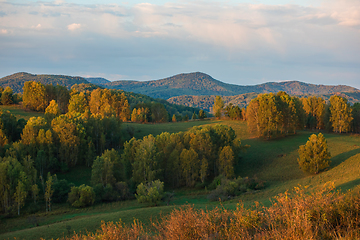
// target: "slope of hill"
[[98, 81], [202, 84], [16, 81], [206, 102]]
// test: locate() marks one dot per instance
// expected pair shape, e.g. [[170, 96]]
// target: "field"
[[19, 112], [274, 162]]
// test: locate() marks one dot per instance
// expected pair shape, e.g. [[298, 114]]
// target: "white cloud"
[[4, 31], [74, 26]]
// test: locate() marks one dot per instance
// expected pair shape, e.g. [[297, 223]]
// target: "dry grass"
[[325, 214]]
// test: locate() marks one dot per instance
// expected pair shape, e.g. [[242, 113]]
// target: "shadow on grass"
[[338, 159], [348, 185]]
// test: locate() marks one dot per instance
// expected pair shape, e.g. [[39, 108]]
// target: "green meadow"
[[19, 112], [274, 162]]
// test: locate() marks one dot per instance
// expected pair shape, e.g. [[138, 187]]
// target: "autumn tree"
[[218, 107], [52, 111], [340, 114], [202, 114], [314, 155], [78, 103], [34, 96], [7, 96], [314, 108]]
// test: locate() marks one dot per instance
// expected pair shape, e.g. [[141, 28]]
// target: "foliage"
[[227, 188], [218, 107], [82, 196], [314, 155], [7, 96], [340, 117], [151, 192]]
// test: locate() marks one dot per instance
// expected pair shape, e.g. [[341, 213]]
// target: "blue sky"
[[238, 41]]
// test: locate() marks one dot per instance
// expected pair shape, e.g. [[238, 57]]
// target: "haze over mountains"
[[190, 89]]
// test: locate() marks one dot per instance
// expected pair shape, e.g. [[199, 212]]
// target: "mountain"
[[16, 81], [98, 81], [198, 84]]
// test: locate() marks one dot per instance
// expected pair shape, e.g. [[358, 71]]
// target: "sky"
[[242, 42]]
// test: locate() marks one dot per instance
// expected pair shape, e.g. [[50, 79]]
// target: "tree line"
[[272, 115]]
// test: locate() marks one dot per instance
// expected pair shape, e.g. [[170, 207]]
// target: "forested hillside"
[[16, 81], [206, 102], [202, 84]]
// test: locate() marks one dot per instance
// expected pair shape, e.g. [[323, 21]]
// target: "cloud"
[[74, 26], [264, 41]]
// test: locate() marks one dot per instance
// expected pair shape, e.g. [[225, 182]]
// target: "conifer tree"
[[314, 156]]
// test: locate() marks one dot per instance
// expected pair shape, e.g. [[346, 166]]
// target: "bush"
[[151, 193], [230, 188], [82, 196]]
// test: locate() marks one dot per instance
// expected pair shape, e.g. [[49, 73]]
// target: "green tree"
[[35, 192], [226, 162], [340, 114], [190, 165], [314, 155], [159, 113], [218, 107], [49, 191], [20, 195], [151, 192], [194, 116], [81, 196], [146, 160]]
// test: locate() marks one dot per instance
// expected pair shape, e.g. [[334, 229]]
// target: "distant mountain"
[[16, 81], [242, 100], [98, 81], [198, 84]]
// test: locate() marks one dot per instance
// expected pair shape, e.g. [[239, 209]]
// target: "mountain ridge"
[[199, 84]]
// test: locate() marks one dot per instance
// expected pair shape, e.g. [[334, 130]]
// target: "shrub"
[[230, 188], [82, 196], [151, 193]]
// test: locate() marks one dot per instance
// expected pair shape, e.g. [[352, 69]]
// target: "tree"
[[151, 192], [194, 116], [7, 96], [52, 111], [49, 191], [159, 113], [78, 103], [82, 196], [314, 155], [218, 107], [226, 162], [314, 107], [340, 114], [20, 195], [146, 160], [173, 119], [34, 96], [190, 165], [202, 114]]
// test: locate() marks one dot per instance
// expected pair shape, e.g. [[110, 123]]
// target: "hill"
[[198, 84], [98, 81], [16, 81], [242, 100]]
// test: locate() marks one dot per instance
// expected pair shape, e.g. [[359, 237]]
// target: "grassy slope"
[[18, 112], [272, 161]]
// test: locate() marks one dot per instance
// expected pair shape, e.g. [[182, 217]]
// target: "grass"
[[19, 112], [274, 162]]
